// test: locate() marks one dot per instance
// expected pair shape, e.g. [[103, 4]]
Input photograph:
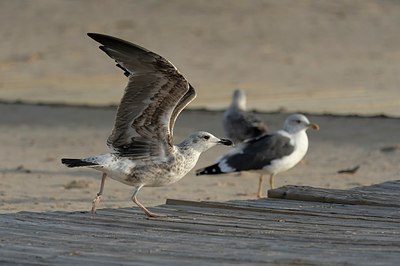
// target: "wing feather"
[[183, 102], [256, 153], [155, 95], [240, 125]]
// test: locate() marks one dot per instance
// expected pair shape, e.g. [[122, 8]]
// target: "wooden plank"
[[386, 194], [300, 208], [389, 188], [205, 242], [265, 231], [205, 233]]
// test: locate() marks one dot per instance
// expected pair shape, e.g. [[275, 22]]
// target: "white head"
[[239, 99], [202, 141], [298, 122]]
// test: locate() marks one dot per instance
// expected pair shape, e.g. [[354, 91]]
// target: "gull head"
[[239, 99], [298, 122], [202, 141]]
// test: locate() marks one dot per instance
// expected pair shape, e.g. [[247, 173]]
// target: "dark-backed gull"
[[142, 138], [268, 154], [238, 123]]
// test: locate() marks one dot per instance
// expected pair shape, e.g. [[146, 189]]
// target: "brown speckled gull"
[[142, 137]]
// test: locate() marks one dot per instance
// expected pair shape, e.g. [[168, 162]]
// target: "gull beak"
[[225, 142], [313, 126]]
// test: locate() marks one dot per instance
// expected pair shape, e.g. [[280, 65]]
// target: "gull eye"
[[298, 121], [206, 137]]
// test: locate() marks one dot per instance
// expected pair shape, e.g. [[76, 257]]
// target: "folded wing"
[[256, 153]]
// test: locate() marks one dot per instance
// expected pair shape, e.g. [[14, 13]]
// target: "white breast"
[[300, 142]]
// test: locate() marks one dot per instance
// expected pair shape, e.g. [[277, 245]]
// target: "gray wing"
[[183, 102], [256, 153], [155, 95], [240, 125]]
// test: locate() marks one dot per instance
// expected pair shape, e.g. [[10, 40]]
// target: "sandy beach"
[[338, 62], [32, 177], [336, 57]]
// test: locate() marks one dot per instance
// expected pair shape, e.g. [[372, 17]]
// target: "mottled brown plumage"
[[142, 137]]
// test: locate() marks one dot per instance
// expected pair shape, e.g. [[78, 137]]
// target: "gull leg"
[[271, 181], [260, 181], [140, 205], [97, 199]]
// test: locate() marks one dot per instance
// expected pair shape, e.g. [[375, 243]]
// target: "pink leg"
[[97, 199], [140, 205]]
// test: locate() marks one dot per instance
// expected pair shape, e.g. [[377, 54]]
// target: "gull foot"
[[152, 215], [95, 202]]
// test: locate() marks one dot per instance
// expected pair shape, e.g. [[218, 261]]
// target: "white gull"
[[267, 154]]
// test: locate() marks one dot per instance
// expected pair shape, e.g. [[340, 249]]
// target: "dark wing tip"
[[103, 48], [105, 39], [101, 38], [210, 170], [201, 172], [76, 162], [92, 34], [98, 36], [116, 43]]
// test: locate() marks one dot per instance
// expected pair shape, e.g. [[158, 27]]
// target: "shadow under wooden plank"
[[385, 194]]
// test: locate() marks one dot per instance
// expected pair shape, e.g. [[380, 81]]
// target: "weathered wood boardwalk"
[[300, 226]]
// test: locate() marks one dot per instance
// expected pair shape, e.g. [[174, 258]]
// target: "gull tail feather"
[[76, 162], [210, 170]]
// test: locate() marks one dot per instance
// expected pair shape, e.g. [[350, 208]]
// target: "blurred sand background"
[[319, 57]]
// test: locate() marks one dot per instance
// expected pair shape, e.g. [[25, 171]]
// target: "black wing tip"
[[96, 36], [75, 162], [91, 34], [104, 38], [111, 41], [209, 170]]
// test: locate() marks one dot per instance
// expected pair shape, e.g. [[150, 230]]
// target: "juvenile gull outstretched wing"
[[155, 95]]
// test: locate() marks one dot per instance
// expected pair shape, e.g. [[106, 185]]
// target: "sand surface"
[[315, 56], [35, 138]]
